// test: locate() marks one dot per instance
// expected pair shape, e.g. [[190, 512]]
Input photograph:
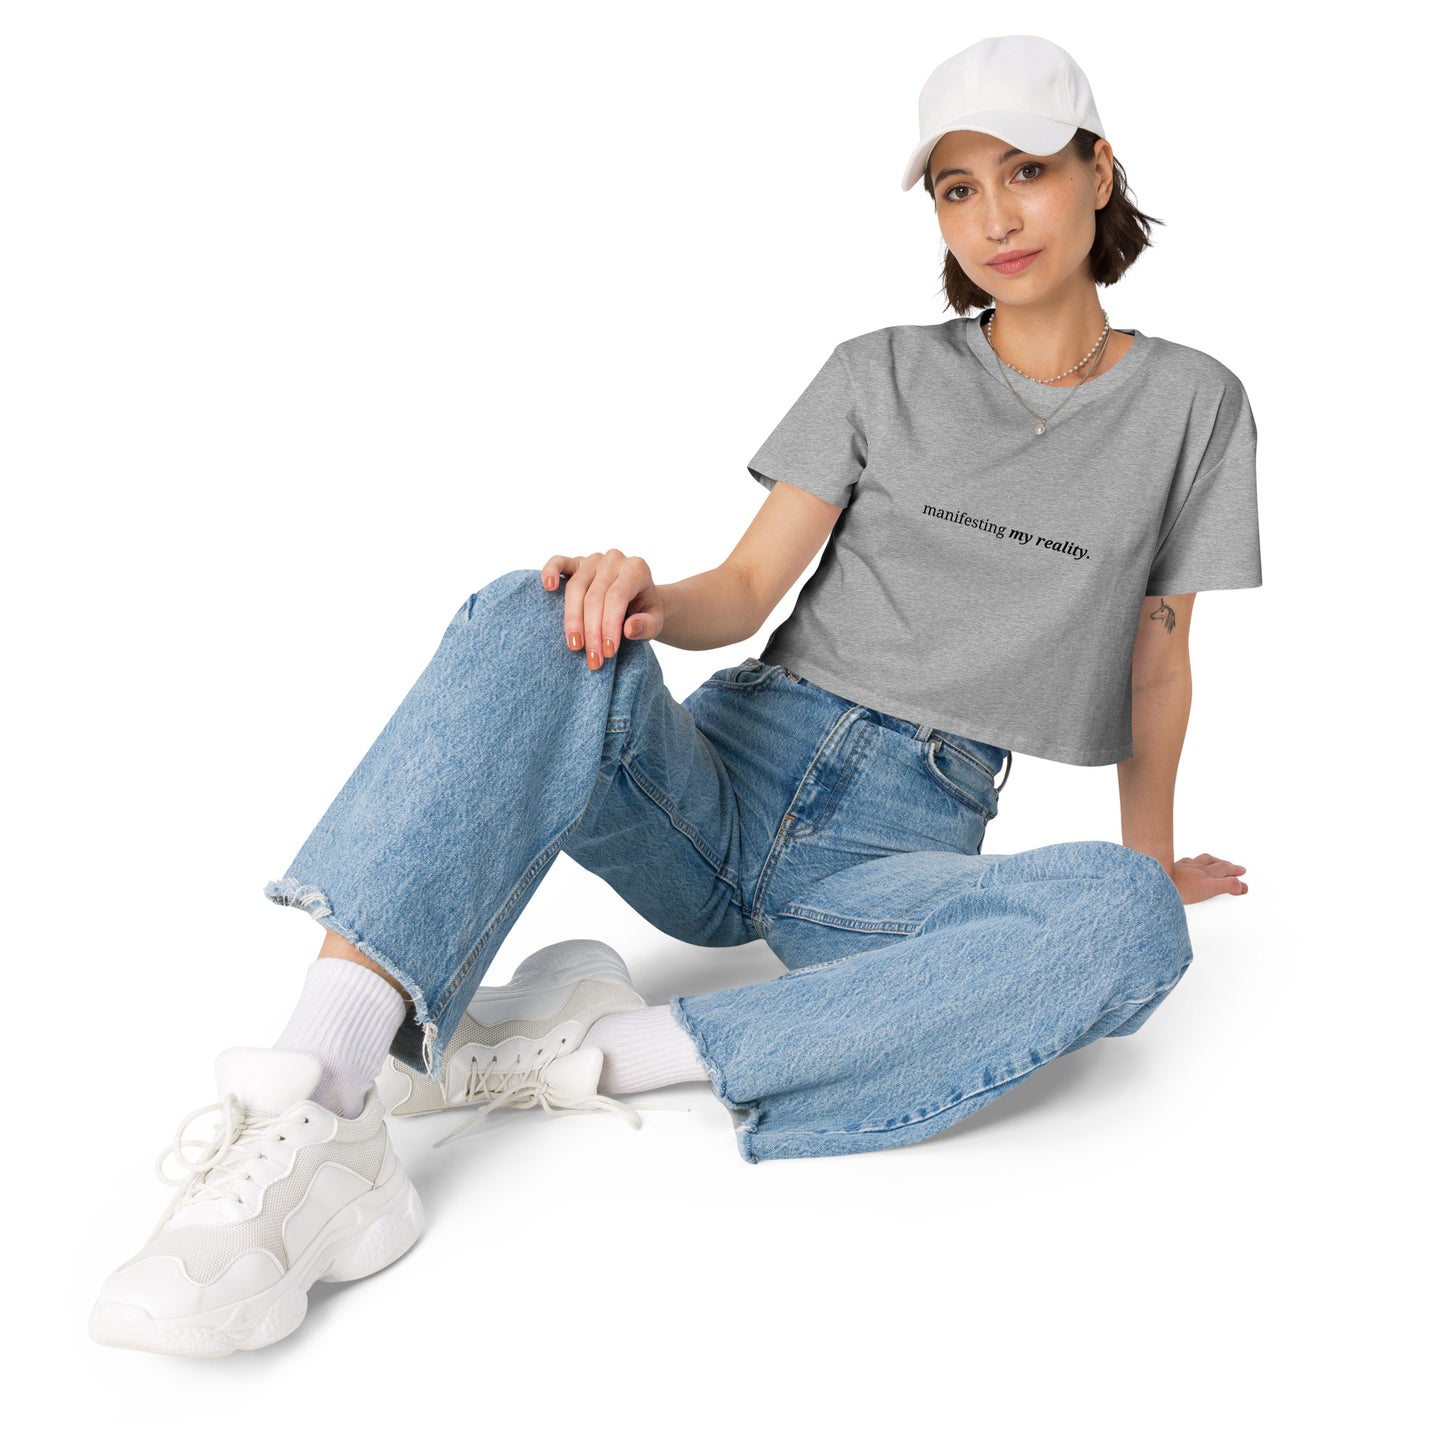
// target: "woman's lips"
[[1012, 268]]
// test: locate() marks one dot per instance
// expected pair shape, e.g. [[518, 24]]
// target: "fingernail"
[[592, 659], [608, 647], [574, 640]]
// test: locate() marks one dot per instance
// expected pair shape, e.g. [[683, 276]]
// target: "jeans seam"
[[1148, 998], [504, 911], [781, 835], [661, 800], [914, 930], [905, 926], [861, 739], [509, 904]]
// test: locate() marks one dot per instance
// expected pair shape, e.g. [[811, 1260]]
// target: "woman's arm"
[[1163, 690], [734, 599]]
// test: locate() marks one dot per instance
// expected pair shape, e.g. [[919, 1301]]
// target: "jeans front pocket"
[[960, 774], [749, 673]]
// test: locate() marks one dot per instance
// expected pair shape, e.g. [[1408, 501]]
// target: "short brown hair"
[[1121, 232]]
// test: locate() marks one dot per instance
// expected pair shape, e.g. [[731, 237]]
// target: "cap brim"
[[1028, 132]]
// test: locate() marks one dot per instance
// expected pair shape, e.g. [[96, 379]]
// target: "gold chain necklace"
[[1097, 353]]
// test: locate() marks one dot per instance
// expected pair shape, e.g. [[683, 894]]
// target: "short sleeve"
[[819, 445], [1209, 537]]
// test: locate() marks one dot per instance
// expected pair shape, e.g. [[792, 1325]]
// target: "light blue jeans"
[[924, 978]]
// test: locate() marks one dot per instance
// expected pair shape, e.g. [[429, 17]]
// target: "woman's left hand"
[[1205, 876]]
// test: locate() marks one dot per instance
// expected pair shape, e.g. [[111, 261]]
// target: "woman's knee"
[[1138, 871], [1142, 899], [1143, 869], [511, 601], [1150, 897], [511, 589], [512, 613]]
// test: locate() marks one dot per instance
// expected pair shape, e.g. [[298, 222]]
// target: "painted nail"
[[608, 647], [574, 640], [592, 659]]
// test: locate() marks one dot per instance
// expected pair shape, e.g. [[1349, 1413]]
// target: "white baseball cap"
[[1022, 88]]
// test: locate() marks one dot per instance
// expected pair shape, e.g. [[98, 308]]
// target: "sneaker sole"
[[365, 1237]]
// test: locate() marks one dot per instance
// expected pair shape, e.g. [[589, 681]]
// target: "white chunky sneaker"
[[518, 1043], [285, 1193]]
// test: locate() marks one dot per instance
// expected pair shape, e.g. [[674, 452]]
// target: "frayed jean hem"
[[756, 1143], [414, 1039], [747, 1113]]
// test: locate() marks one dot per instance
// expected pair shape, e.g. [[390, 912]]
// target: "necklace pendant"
[[1039, 430]]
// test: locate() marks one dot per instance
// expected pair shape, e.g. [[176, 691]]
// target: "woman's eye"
[[1027, 166]]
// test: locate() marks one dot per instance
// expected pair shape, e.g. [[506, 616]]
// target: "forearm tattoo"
[[1163, 613]]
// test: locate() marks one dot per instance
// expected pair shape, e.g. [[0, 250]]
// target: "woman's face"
[[1012, 200]]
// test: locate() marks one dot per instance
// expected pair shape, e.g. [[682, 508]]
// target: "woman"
[[1017, 510]]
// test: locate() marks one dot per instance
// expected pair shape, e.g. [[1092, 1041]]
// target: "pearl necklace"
[[1096, 352]]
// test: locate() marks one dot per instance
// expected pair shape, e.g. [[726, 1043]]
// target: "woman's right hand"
[[609, 596]]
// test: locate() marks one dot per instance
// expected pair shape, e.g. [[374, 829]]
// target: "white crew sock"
[[347, 1016], [642, 1049]]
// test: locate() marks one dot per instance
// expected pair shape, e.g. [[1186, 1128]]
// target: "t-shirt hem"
[[824, 491], [950, 722]]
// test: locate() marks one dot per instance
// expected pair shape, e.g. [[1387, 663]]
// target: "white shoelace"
[[223, 1159], [516, 1087]]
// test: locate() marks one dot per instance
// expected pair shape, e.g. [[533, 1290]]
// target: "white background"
[[319, 316]]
